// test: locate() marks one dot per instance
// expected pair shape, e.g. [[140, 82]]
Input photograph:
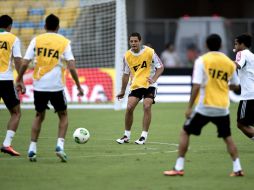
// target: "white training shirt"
[[16, 52], [156, 64], [245, 59], [199, 77], [51, 81]]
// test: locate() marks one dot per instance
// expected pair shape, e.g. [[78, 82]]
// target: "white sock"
[[252, 138], [60, 143], [127, 133], [144, 134], [32, 147], [237, 165], [8, 138], [179, 163]]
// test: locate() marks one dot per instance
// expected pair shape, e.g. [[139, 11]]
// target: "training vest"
[[140, 67], [6, 43], [48, 49], [219, 69]]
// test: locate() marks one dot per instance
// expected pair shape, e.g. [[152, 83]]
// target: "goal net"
[[98, 32]]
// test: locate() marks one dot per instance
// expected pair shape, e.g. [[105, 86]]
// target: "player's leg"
[[224, 131], [133, 99], [193, 125], [245, 119], [59, 103], [41, 104], [149, 95], [12, 102]]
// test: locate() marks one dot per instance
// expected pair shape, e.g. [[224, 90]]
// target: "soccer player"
[[9, 49], [47, 50], [213, 75], [144, 67], [245, 64]]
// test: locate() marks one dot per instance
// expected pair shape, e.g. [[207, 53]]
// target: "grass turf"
[[101, 163]]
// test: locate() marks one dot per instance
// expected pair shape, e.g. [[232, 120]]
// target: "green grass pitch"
[[101, 163]]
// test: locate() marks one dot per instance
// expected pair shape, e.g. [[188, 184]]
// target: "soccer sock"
[[32, 147], [252, 138], [236, 165], [8, 138], [60, 143], [179, 163], [127, 133], [144, 134]]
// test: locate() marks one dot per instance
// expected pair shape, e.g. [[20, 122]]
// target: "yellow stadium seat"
[[26, 35], [72, 3], [15, 31], [6, 10], [64, 23], [52, 10], [35, 18], [20, 14]]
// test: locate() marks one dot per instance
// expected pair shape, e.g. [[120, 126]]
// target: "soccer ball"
[[81, 135]]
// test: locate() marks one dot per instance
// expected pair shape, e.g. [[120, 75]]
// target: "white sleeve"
[[16, 52], [126, 68], [234, 80], [197, 76], [240, 58], [68, 55], [30, 52], [157, 61]]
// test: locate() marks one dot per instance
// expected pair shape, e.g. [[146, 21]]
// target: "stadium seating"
[[29, 15]]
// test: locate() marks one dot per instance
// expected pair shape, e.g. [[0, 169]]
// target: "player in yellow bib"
[[213, 75], [144, 67], [9, 49], [48, 80]]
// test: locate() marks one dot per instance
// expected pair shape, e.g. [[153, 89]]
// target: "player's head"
[[213, 42], [5, 22], [135, 41], [52, 23], [243, 40]]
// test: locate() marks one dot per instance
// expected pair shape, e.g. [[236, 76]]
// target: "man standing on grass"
[[9, 49], [144, 67], [48, 79], [245, 65], [213, 75]]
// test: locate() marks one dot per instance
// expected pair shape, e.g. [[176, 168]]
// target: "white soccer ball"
[[81, 135]]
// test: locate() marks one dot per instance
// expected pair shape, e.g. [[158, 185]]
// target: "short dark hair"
[[135, 34], [5, 21], [52, 22], [213, 42], [244, 39]]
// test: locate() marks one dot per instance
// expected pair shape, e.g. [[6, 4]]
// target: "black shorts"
[[9, 94], [196, 122], [144, 93], [57, 100], [245, 112]]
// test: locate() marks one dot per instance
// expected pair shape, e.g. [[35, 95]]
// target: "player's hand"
[[80, 92], [120, 95], [150, 80], [21, 87], [188, 112]]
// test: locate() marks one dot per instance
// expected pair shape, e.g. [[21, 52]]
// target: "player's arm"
[[125, 79], [71, 64], [159, 69], [234, 84], [197, 78], [74, 75]]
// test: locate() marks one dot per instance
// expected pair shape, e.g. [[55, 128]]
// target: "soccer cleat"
[[61, 154], [237, 174], [32, 156], [173, 173], [122, 140], [10, 150], [141, 140]]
